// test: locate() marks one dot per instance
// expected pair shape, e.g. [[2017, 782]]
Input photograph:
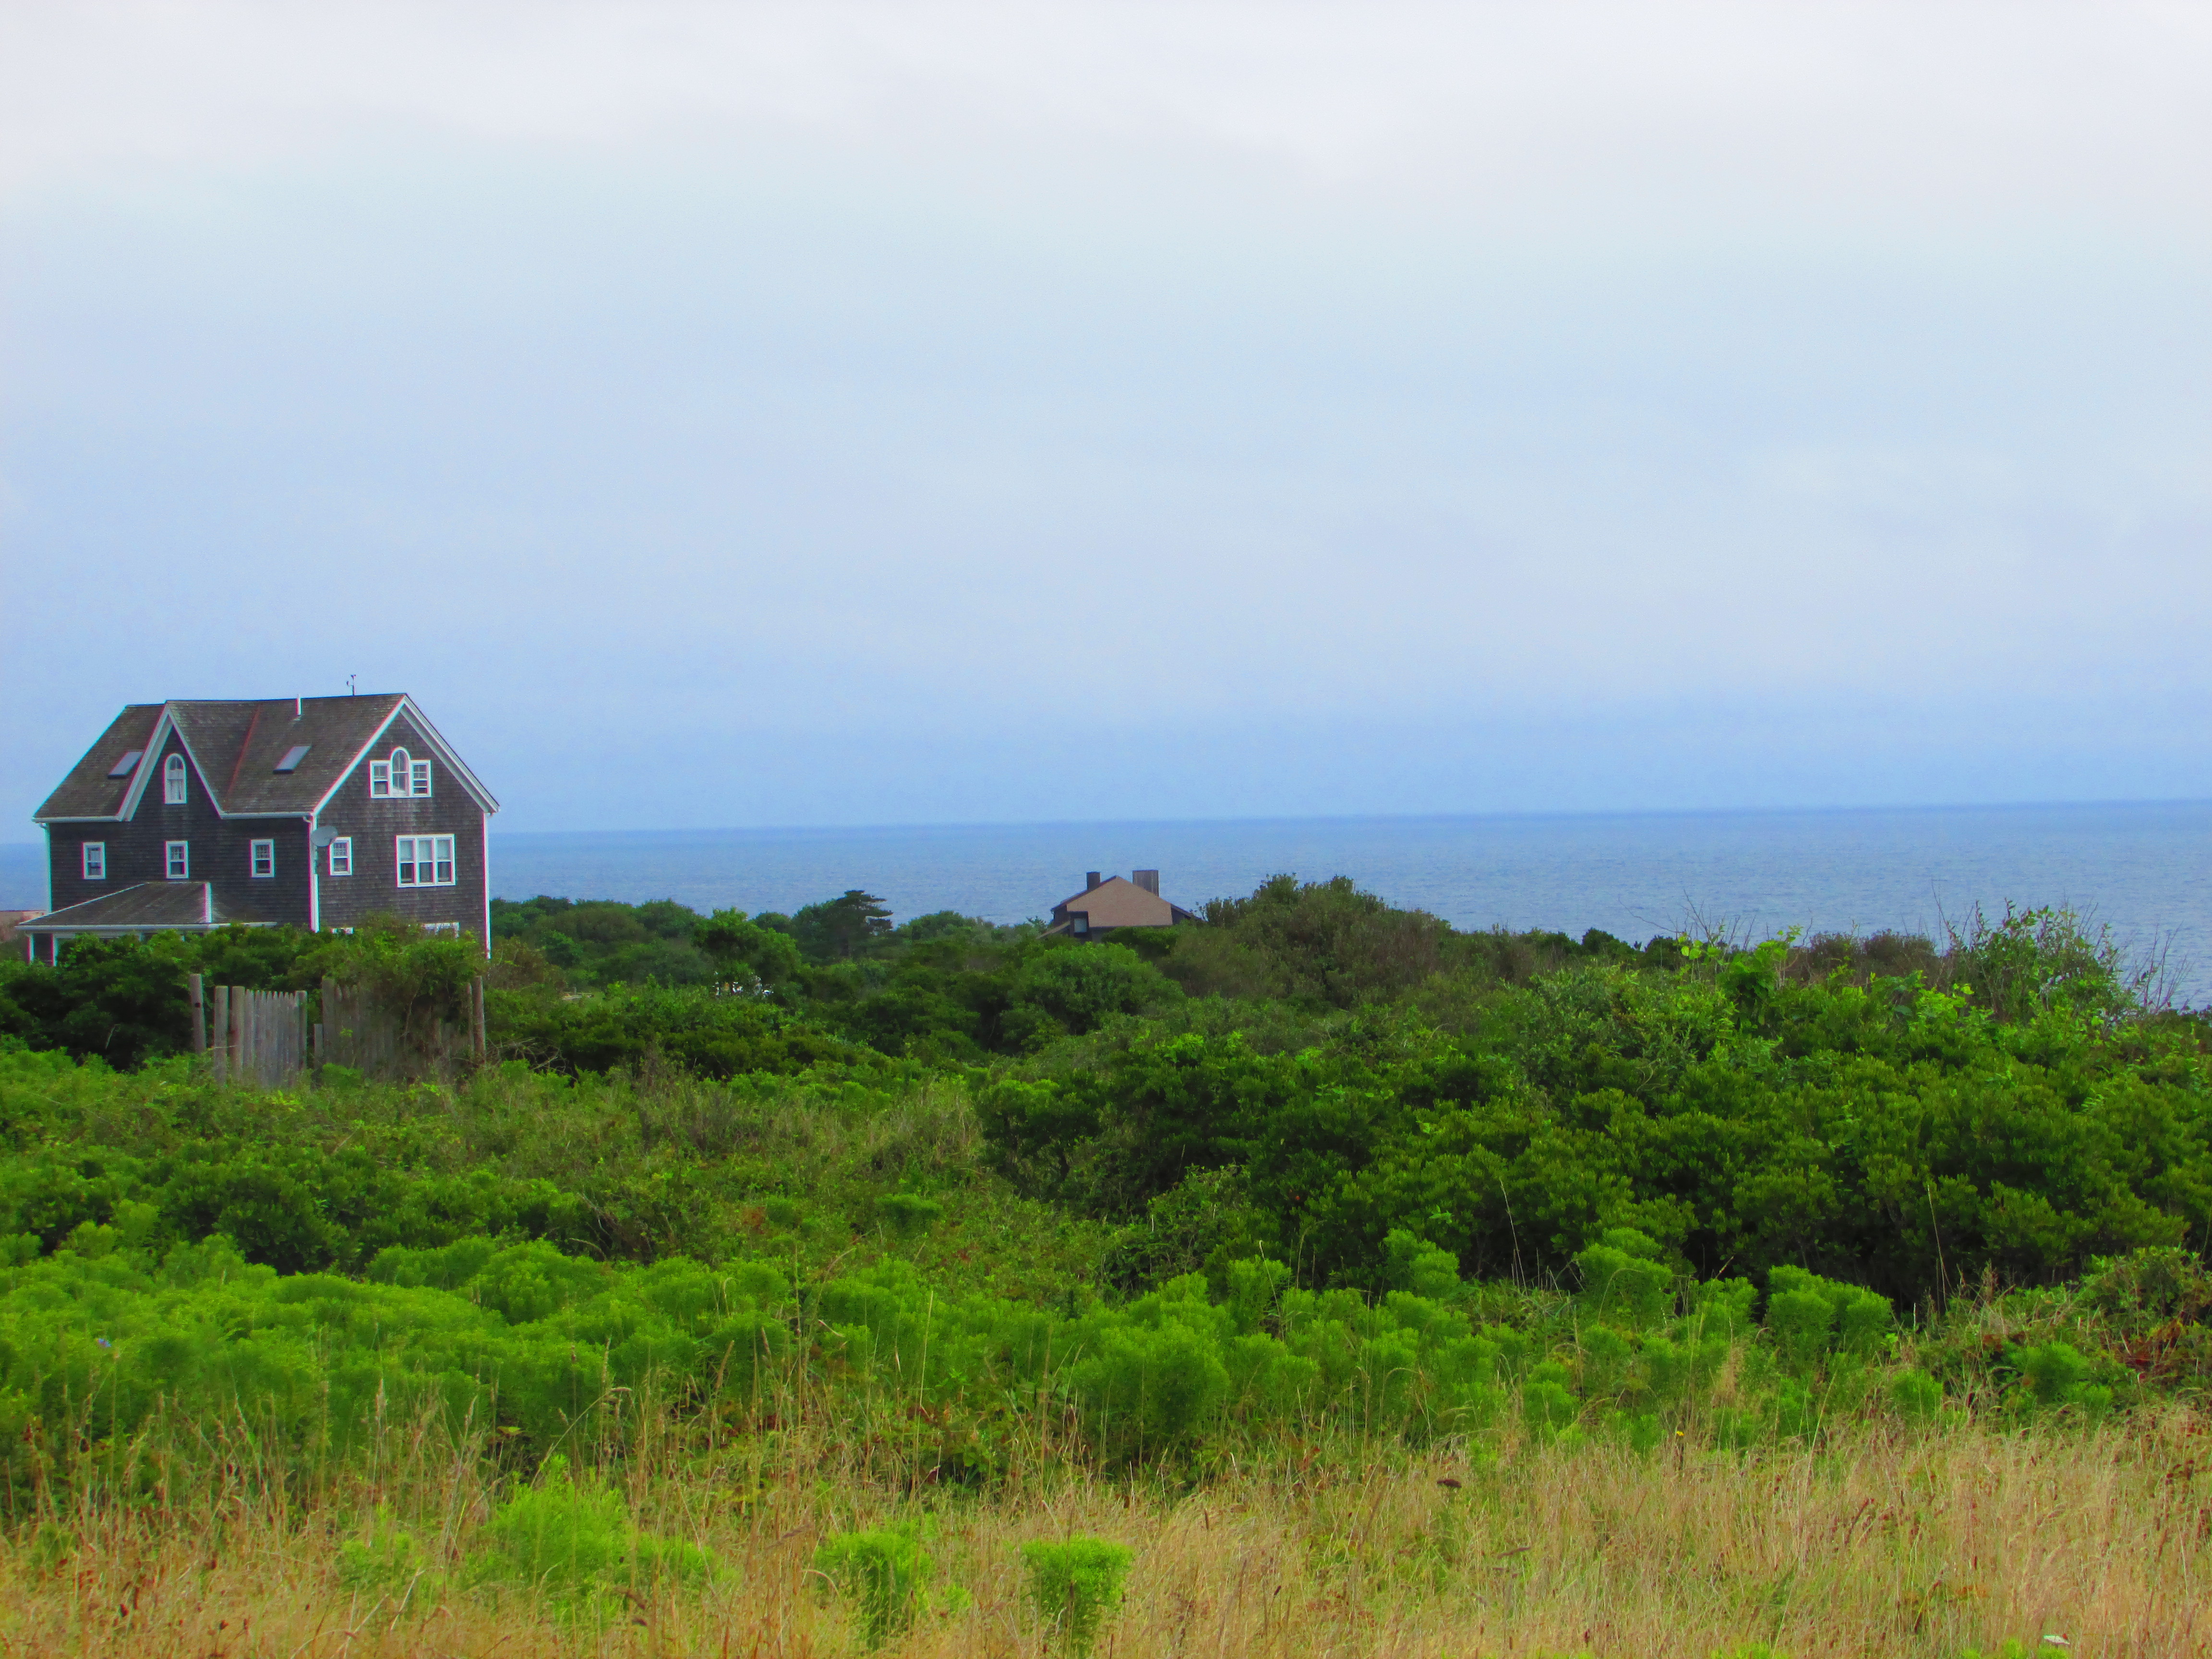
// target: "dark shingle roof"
[[88, 791], [237, 746], [154, 906]]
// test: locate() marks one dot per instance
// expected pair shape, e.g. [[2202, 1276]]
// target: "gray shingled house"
[[313, 811]]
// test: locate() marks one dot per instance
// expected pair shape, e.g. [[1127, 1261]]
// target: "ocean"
[[2142, 868]]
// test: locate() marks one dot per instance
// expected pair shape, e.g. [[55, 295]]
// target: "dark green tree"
[[842, 928], [739, 947]]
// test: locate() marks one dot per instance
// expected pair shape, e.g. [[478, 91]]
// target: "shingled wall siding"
[[376, 827], [221, 851]]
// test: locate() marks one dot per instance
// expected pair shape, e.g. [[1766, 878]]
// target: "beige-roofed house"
[[1105, 907]]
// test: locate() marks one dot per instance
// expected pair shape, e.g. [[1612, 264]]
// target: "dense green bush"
[[1076, 1583], [886, 1574], [708, 1035], [1884, 1131]]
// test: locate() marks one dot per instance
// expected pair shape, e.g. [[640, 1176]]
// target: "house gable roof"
[[236, 747], [1117, 902]]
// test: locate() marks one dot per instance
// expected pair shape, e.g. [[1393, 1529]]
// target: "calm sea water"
[[2144, 868]]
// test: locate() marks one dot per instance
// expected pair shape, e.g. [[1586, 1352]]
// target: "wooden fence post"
[[223, 1031], [196, 994], [476, 1011]]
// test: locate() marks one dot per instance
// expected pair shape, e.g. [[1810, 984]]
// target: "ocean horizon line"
[[1514, 815]]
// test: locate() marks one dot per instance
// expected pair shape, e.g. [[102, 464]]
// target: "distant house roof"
[[1117, 902], [240, 751], [150, 907]]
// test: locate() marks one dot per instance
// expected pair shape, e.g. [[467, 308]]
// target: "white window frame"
[[443, 929], [177, 860], [341, 856], [95, 861], [175, 790], [409, 860], [261, 857], [399, 777]]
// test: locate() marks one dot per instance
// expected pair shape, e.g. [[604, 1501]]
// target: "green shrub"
[[1077, 1585], [385, 1561], [1624, 1280], [909, 1214], [2060, 1375], [886, 1575], [1147, 1390], [575, 1547]]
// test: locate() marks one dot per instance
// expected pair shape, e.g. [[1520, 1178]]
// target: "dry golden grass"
[[1883, 1543]]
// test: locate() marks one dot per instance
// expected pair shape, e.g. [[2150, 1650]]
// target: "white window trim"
[[257, 853], [177, 861], [176, 789], [341, 856], [406, 863], [95, 861]]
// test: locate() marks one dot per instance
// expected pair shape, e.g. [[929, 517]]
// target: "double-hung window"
[[398, 776], [173, 781], [95, 861], [177, 860], [341, 856], [426, 861], [264, 854]]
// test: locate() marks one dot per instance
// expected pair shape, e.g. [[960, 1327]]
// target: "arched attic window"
[[173, 780], [399, 774]]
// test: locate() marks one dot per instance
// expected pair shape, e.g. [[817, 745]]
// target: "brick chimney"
[[1147, 879], [1089, 879]]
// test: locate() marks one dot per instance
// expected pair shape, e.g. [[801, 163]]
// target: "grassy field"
[[1882, 1541]]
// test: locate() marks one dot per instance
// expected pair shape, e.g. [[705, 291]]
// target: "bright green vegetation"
[[1312, 1173], [1076, 1583]]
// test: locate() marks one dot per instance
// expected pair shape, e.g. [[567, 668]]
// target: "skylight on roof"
[[127, 765], [294, 756]]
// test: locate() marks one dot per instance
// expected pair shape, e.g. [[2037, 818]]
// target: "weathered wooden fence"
[[258, 1038], [382, 1043], [264, 1038]]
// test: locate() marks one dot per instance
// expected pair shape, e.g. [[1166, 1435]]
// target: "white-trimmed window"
[[341, 856], [95, 861], [426, 861], [177, 860], [173, 781], [398, 776], [443, 929], [264, 854]]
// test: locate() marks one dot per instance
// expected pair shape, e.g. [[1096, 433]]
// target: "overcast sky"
[[753, 414]]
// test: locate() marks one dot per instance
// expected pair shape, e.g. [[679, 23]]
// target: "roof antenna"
[[350, 678], [298, 707]]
